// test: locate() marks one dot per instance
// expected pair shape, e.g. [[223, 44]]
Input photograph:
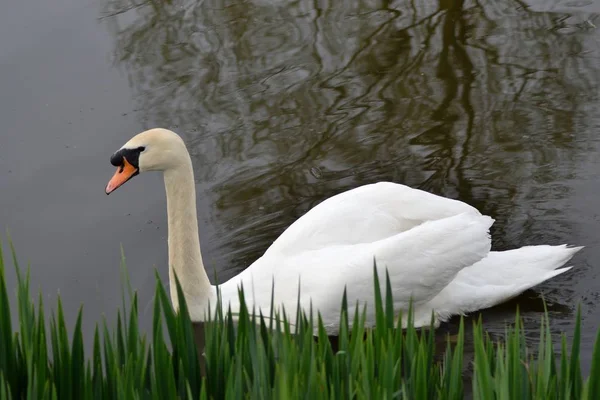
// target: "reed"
[[249, 355]]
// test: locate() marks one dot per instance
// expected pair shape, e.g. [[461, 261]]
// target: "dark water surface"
[[284, 104]]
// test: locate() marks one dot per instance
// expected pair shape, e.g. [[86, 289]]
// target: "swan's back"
[[364, 215]]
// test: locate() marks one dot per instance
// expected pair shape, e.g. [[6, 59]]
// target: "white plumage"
[[436, 250]]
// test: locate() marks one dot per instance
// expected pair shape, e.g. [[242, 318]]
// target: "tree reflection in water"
[[286, 103]]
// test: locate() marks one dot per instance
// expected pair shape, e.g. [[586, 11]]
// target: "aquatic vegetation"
[[263, 356]]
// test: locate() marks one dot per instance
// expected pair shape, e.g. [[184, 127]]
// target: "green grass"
[[265, 357]]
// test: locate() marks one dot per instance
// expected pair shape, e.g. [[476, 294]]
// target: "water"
[[283, 104]]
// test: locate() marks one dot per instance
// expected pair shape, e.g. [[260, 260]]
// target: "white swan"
[[436, 250]]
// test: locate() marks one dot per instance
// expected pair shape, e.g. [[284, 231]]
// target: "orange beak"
[[124, 173]]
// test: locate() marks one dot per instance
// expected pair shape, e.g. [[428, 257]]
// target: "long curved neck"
[[185, 257]]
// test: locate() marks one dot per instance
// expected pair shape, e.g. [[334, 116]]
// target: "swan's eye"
[[141, 148]]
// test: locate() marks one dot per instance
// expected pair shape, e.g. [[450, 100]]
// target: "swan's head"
[[152, 150]]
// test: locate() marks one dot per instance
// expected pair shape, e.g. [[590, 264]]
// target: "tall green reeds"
[[263, 357]]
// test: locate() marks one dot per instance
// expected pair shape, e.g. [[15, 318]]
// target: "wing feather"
[[365, 214]]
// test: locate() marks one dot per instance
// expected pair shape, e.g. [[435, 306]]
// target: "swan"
[[436, 250]]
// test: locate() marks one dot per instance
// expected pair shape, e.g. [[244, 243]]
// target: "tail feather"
[[499, 277]]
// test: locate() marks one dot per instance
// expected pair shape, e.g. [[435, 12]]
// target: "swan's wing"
[[420, 262], [365, 214], [423, 261]]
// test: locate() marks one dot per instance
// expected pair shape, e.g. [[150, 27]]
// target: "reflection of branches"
[[285, 104]]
